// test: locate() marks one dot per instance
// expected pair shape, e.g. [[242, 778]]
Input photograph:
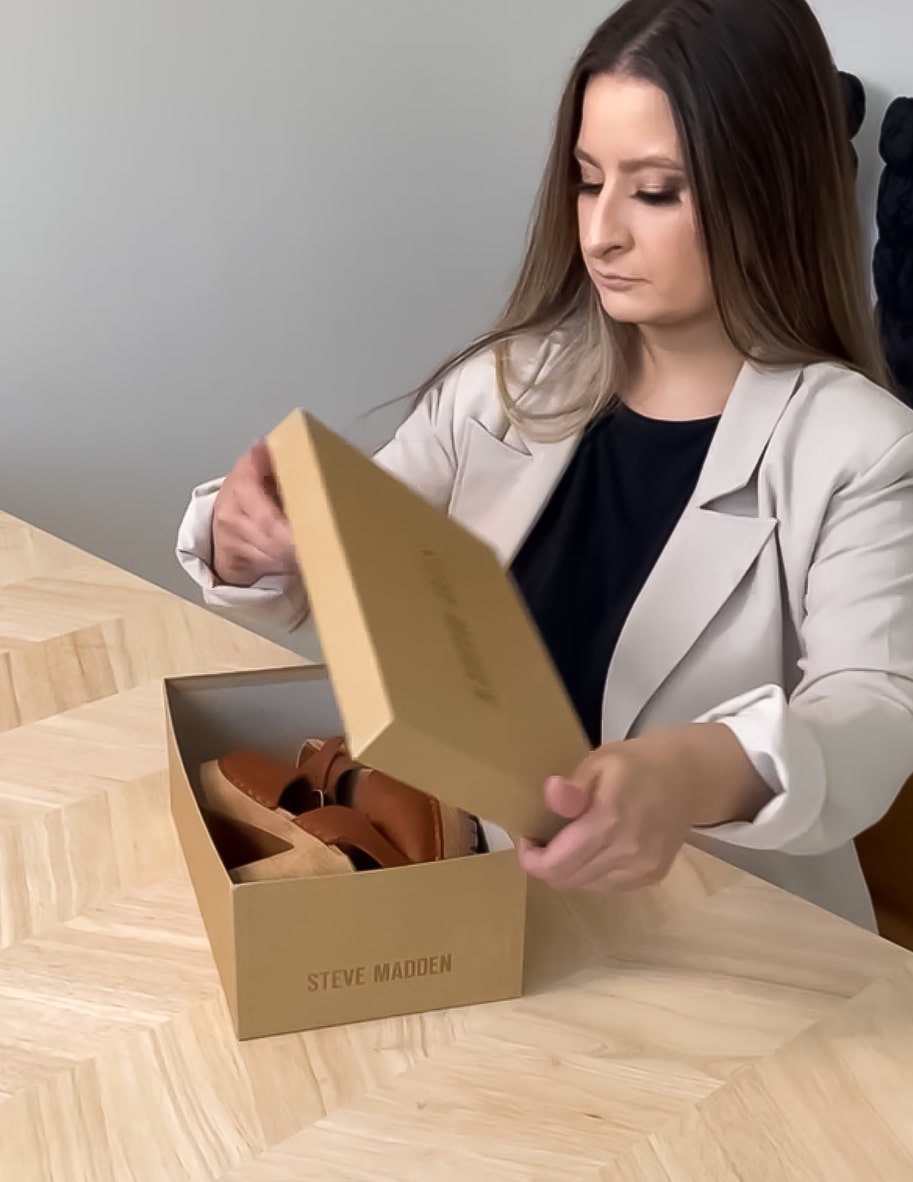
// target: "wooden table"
[[712, 1028]]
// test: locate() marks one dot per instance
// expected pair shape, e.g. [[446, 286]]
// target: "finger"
[[566, 798], [265, 473], [258, 521], [261, 463], [616, 853], [244, 562], [271, 564], [252, 500], [581, 878], [279, 548], [567, 852], [241, 549], [269, 530], [251, 492], [237, 531], [272, 559], [281, 540], [243, 541]]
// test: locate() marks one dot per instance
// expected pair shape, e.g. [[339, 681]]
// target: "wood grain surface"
[[712, 1028]]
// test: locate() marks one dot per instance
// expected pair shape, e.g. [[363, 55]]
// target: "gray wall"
[[214, 210]]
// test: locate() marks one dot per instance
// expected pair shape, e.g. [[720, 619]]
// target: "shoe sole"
[[307, 856]]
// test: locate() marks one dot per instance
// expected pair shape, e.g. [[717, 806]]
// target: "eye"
[[588, 188], [659, 196]]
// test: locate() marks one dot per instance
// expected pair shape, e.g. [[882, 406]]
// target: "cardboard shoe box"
[[437, 676]]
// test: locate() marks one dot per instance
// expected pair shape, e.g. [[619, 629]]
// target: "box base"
[[296, 954]]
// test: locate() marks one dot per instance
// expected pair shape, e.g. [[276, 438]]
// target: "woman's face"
[[638, 228]]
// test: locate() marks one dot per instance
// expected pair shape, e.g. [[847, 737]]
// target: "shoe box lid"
[[439, 673]]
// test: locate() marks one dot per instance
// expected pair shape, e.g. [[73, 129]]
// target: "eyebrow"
[[629, 166]]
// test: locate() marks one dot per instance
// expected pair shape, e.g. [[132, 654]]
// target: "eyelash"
[[664, 197]]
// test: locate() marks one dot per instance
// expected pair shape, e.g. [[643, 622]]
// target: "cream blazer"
[[781, 606]]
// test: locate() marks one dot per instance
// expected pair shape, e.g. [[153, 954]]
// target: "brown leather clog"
[[419, 825], [270, 795], [337, 815]]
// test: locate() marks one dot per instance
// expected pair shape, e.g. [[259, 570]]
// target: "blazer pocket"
[[486, 466]]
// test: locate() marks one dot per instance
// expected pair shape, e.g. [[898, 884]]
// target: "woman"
[[676, 438]]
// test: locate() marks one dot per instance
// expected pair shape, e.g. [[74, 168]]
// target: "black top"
[[589, 554]]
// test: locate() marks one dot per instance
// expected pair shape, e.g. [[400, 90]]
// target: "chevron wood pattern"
[[709, 1029]]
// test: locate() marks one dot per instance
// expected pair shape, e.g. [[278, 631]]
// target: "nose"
[[603, 230]]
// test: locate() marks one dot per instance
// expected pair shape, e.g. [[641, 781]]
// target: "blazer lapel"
[[527, 473], [707, 556]]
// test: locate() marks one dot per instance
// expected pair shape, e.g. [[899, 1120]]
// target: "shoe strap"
[[351, 831], [268, 780], [325, 765]]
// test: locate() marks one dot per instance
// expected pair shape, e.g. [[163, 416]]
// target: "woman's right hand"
[[251, 536]]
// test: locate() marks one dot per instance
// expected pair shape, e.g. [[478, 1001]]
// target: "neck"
[[684, 371]]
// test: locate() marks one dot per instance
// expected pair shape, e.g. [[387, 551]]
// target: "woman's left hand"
[[631, 806]]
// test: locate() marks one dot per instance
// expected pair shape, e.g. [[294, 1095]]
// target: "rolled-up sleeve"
[[838, 750]]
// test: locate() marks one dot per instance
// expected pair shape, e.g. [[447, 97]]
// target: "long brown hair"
[[756, 100]]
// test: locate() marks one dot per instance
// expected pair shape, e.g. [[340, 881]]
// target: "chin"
[[627, 307]]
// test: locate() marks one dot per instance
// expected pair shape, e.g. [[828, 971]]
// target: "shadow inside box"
[[239, 844]]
